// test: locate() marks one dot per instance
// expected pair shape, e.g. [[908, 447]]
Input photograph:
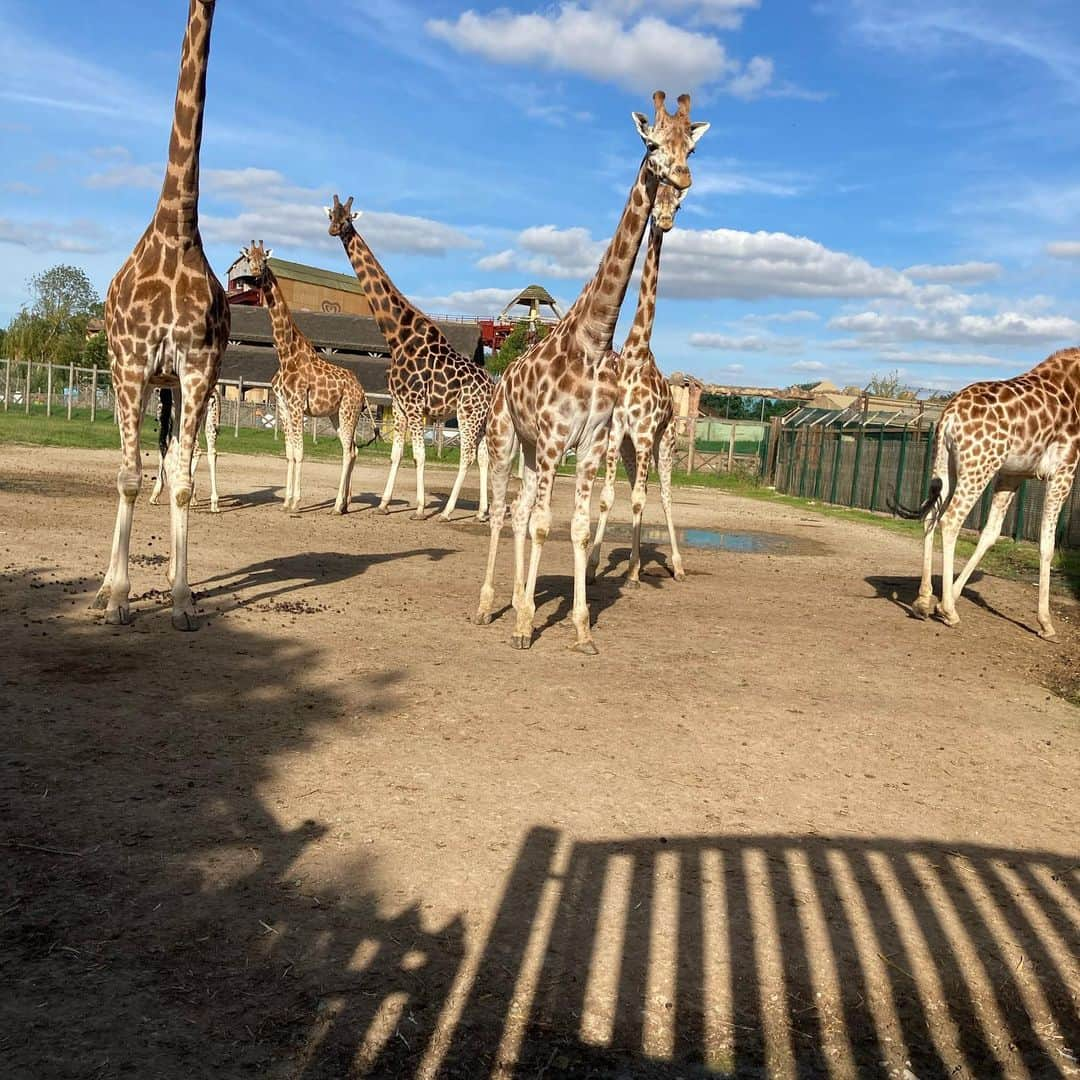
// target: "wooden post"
[[93, 394], [48, 391], [314, 431], [7, 385], [731, 448], [857, 467], [239, 402], [692, 428], [439, 436], [27, 402], [71, 387]]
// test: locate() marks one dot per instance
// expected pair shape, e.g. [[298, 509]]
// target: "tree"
[[889, 385], [520, 340], [62, 302], [96, 351]]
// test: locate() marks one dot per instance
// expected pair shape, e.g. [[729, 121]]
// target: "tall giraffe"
[[1007, 431], [561, 393], [167, 322], [427, 376], [306, 385], [642, 426]]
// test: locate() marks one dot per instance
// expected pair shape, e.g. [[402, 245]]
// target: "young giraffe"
[[427, 377], [167, 322], [642, 425], [211, 426], [1016, 429], [561, 393], [306, 385]]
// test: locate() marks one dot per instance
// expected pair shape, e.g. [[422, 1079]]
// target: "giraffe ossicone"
[[560, 394]]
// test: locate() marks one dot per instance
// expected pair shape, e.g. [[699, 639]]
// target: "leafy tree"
[[889, 385], [52, 327], [96, 351], [520, 340]]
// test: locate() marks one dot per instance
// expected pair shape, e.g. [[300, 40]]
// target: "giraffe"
[[1006, 431], [560, 395], [306, 385], [642, 425], [167, 323], [427, 376], [211, 425]]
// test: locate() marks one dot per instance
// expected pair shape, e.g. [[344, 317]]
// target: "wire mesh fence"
[[874, 467]]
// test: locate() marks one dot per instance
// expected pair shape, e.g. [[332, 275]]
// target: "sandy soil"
[[777, 828]]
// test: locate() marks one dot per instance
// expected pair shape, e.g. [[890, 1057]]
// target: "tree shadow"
[[273, 578], [153, 918]]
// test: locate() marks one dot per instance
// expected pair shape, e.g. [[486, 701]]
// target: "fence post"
[[7, 385], [731, 447], [860, 436], [27, 388], [1021, 506], [819, 472], [439, 439], [836, 466], [48, 391], [876, 489], [691, 426], [790, 483], [898, 496], [239, 402], [71, 387], [93, 394], [807, 432], [314, 431]]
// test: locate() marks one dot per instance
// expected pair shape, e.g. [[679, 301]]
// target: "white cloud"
[[1006, 328], [74, 237], [800, 315], [968, 273], [723, 14], [1064, 249], [748, 343], [127, 175], [941, 358], [728, 179], [469, 301], [601, 44], [20, 187], [808, 365]]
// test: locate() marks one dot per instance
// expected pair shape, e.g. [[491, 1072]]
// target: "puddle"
[[737, 542]]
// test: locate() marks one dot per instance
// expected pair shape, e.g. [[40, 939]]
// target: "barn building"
[[306, 288]]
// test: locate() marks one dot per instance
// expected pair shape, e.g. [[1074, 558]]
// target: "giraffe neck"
[[286, 333], [637, 348], [596, 310], [177, 213], [397, 318]]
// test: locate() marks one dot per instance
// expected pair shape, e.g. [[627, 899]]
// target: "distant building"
[[306, 288]]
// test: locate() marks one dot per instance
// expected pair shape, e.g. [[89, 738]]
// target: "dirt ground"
[[777, 827]]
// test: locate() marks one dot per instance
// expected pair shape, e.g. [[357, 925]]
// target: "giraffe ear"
[[355, 214], [641, 122], [269, 252], [329, 212], [698, 129]]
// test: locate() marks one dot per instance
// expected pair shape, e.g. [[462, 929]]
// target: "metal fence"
[[720, 446], [871, 467]]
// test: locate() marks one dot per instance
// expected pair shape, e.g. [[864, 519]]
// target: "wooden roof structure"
[[533, 297], [294, 271]]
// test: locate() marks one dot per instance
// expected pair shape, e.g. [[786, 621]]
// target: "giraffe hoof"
[[923, 607], [949, 619], [101, 601], [419, 515], [385, 510], [484, 618], [1050, 635], [679, 575], [184, 621], [482, 518], [631, 583], [118, 616], [586, 648], [214, 508], [521, 641]]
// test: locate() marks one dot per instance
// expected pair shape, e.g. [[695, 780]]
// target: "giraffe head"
[[668, 201], [258, 259], [341, 215], [670, 140]]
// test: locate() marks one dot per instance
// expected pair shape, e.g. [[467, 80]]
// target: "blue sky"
[[887, 183]]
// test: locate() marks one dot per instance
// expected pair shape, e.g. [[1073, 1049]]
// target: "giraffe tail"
[[917, 513], [165, 420]]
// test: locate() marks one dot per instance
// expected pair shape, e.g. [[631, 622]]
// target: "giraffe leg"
[[113, 595], [1057, 492], [520, 513], [1004, 491], [482, 460], [665, 459], [419, 453], [539, 527], [347, 419], [501, 457], [923, 606], [607, 499], [467, 428], [211, 451], [397, 451], [298, 458], [638, 496], [290, 466], [193, 400], [968, 488], [587, 466]]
